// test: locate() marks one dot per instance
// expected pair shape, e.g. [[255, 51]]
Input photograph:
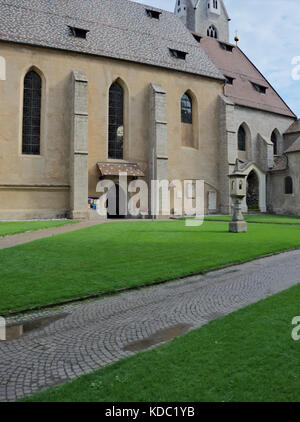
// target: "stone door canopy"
[[114, 169]]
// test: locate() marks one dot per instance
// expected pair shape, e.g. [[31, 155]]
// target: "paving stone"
[[93, 334]]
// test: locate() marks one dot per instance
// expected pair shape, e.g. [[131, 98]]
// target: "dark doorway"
[[118, 198], [253, 192]]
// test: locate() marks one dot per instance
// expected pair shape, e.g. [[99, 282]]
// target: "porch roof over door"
[[114, 169]]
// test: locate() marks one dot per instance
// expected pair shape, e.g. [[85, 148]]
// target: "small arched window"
[[242, 139], [32, 113], [212, 32], [274, 140], [186, 109], [288, 185], [116, 122], [215, 3]]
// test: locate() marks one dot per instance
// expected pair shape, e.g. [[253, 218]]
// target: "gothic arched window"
[[288, 185], [241, 139], [215, 4], [32, 113], [274, 140], [212, 32], [186, 109], [116, 121]]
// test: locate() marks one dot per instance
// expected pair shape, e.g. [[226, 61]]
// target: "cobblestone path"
[[86, 336]]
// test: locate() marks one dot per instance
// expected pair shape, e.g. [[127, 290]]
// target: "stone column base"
[[238, 227], [78, 215]]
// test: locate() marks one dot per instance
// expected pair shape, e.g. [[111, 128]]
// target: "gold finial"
[[236, 38]]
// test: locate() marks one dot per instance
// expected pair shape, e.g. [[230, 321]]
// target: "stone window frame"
[[195, 119], [212, 32], [37, 70]]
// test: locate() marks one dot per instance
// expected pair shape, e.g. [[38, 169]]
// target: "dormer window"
[[229, 80], [226, 47], [153, 14], [178, 54], [78, 32], [259, 88]]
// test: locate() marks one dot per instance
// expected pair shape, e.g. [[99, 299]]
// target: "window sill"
[[31, 155], [190, 148]]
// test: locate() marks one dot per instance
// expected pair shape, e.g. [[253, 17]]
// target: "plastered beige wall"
[[51, 168]]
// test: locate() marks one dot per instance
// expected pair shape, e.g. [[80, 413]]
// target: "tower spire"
[[205, 17]]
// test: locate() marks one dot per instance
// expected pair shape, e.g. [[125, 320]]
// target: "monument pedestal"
[[238, 227]]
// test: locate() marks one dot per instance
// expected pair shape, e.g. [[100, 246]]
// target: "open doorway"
[[117, 196], [253, 192]]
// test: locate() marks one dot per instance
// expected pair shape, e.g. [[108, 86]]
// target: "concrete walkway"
[[77, 339], [20, 238]]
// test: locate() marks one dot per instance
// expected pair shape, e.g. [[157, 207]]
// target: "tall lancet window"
[[274, 140], [186, 109], [116, 121], [212, 32], [32, 114], [241, 139]]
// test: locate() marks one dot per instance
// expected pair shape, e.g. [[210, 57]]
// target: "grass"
[[248, 355], [259, 218], [12, 227], [108, 257]]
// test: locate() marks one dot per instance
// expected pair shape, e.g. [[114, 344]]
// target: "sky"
[[269, 32]]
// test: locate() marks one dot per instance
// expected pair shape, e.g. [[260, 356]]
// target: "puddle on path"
[[15, 331], [164, 335]]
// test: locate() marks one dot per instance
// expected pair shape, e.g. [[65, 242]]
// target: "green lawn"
[[112, 256], [12, 227], [247, 356], [259, 218]]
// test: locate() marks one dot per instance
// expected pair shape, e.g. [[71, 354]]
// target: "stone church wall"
[[40, 186]]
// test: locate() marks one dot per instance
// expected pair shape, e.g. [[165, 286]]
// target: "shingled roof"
[[295, 147], [294, 128], [118, 29], [236, 65]]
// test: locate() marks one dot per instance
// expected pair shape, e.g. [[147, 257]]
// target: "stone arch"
[[275, 139], [2, 69], [261, 176]]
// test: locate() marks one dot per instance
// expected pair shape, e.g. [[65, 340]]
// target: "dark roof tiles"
[[295, 147], [280, 163], [294, 128], [118, 29]]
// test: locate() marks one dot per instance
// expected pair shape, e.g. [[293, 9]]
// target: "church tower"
[[205, 17]]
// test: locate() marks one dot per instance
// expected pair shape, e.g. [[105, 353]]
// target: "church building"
[[91, 89], [256, 126]]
